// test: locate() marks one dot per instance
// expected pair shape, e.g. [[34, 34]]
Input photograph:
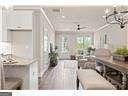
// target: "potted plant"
[[90, 49], [53, 56], [121, 54]]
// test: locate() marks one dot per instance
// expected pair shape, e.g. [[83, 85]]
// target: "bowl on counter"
[[11, 61]]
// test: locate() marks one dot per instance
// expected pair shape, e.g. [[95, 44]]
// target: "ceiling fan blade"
[[76, 30], [83, 27], [73, 28]]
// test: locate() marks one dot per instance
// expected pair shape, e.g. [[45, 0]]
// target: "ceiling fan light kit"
[[79, 28]]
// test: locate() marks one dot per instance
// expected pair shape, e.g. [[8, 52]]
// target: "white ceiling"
[[87, 16], [90, 16]]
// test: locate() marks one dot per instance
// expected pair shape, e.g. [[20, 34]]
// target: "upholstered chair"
[[91, 64], [101, 52]]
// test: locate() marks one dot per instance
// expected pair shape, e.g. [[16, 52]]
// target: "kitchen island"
[[26, 69]]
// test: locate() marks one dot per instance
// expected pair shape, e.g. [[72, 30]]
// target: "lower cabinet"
[[28, 73], [33, 76]]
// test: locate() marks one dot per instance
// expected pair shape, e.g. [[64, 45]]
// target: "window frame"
[[83, 42], [64, 44]]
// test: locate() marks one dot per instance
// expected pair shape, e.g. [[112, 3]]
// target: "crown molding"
[[51, 25], [102, 27]]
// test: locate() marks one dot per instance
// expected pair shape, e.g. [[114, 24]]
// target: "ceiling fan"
[[79, 28]]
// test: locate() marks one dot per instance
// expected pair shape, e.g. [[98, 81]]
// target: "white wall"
[[116, 37], [71, 42]]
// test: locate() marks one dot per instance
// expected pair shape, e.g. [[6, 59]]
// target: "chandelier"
[[116, 17]]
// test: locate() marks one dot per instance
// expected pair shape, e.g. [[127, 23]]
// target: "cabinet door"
[[4, 36], [33, 80], [0, 23], [20, 19]]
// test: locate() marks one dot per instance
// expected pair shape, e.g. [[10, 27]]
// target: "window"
[[83, 42], [64, 44], [80, 43]]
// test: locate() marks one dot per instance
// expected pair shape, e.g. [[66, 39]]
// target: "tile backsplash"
[[5, 48]]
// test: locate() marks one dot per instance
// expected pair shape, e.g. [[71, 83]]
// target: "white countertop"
[[21, 61]]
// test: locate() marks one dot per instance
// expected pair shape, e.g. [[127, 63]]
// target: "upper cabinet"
[[14, 20], [17, 20], [0, 23], [4, 36]]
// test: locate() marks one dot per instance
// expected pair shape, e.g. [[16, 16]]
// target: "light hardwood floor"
[[62, 77]]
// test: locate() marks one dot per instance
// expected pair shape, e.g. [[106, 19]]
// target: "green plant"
[[90, 49], [122, 51], [53, 55]]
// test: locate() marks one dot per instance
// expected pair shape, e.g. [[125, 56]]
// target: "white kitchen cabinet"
[[33, 69], [1, 24], [4, 35], [20, 20]]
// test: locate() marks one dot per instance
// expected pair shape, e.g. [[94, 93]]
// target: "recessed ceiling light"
[[107, 11], [114, 5], [8, 6], [63, 16], [103, 16]]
